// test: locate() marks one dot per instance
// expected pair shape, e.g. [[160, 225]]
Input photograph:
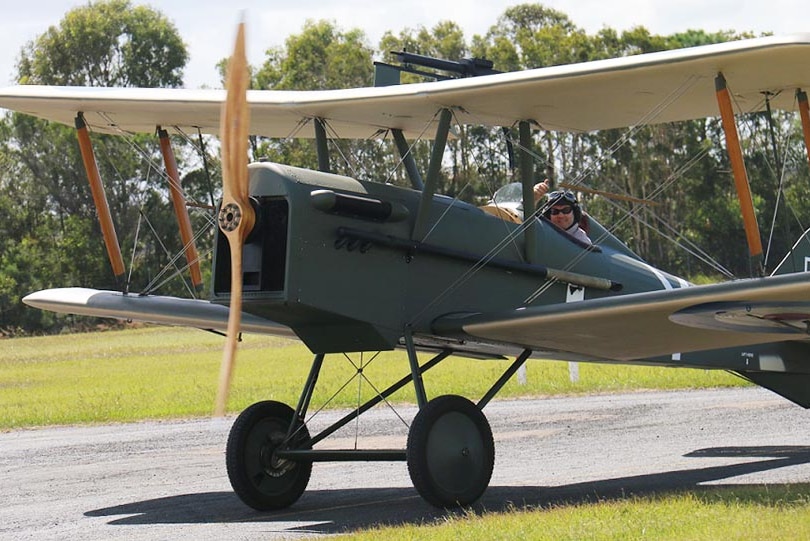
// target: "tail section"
[[797, 259], [781, 367]]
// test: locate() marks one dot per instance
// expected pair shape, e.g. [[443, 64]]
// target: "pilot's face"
[[562, 216]]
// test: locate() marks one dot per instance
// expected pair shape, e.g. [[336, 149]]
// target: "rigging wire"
[[209, 217], [118, 174], [172, 262], [129, 139], [411, 147], [132, 258], [201, 149], [673, 96], [780, 172], [486, 258], [335, 137]]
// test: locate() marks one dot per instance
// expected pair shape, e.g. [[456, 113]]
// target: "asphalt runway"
[[167, 480]]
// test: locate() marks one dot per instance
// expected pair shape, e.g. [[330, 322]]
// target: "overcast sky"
[[207, 26]]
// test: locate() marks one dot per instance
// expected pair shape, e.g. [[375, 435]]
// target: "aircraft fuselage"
[[334, 259]]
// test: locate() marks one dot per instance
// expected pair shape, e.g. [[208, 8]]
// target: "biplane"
[[352, 266]]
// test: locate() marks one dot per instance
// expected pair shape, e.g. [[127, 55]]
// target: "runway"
[[161, 480]]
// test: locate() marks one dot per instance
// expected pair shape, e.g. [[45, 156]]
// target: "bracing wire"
[[782, 173], [172, 264], [672, 97]]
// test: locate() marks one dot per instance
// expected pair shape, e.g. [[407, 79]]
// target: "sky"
[[208, 26]]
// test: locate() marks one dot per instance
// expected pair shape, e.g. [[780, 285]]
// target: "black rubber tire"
[[450, 452], [259, 479]]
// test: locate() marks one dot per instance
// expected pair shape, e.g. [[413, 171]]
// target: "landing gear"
[[450, 452], [258, 476]]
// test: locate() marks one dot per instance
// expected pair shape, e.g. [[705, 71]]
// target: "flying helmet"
[[563, 197]]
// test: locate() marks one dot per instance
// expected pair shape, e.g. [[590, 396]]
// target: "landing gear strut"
[[450, 451]]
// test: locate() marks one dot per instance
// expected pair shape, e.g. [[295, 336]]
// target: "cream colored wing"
[[650, 88]]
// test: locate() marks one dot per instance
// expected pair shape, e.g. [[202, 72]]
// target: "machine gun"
[[389, 74]]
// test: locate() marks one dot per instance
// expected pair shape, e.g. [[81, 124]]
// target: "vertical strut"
[[416, 373], [804, 111], [309, 386], [100, 200], [434, 168], [408, 159], [740, 176], [527, 179], [772, 133], [321, 146], [180, 209]]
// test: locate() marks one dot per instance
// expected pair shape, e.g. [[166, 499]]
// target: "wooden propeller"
[[236, 215]]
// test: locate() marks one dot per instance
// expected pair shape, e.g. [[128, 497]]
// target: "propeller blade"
[[236, 215]]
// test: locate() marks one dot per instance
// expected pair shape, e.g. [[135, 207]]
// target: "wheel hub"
[[272, 464]]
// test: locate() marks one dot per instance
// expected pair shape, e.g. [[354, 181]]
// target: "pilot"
[[562, 209]]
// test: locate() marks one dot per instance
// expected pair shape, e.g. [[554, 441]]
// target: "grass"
[[161, 373], [739, 513]]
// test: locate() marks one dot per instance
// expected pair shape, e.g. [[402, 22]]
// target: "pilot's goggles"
[[564, 210], [562, 195]]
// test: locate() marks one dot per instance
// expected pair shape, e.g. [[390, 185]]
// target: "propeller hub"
[[230, 216]]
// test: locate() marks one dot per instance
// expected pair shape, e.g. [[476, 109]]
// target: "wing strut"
[[740, 176], [804, 111], [180, 209], [408, 160], [322, 145], [434, 168], [527, 179], [100, 200]]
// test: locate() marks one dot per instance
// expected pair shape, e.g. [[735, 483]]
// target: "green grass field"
[[161, 373], [756, 513]]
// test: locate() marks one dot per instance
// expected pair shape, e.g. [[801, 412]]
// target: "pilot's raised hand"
[[540, 189]]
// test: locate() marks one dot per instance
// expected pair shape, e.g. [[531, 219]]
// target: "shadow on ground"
[[336, 511]]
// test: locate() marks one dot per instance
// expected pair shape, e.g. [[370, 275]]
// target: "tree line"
[[50, 236]]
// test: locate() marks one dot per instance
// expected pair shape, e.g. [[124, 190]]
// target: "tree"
[[323, 57], [104, 43], [468, 152], [636, 162]]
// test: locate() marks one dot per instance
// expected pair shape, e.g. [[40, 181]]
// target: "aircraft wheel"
[[450, 452], [259, 478]]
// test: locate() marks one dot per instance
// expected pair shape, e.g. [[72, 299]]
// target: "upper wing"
[[652, 324], [650, 88]]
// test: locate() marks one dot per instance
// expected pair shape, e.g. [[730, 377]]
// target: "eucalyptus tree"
[[102, 43], [324, 57]]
